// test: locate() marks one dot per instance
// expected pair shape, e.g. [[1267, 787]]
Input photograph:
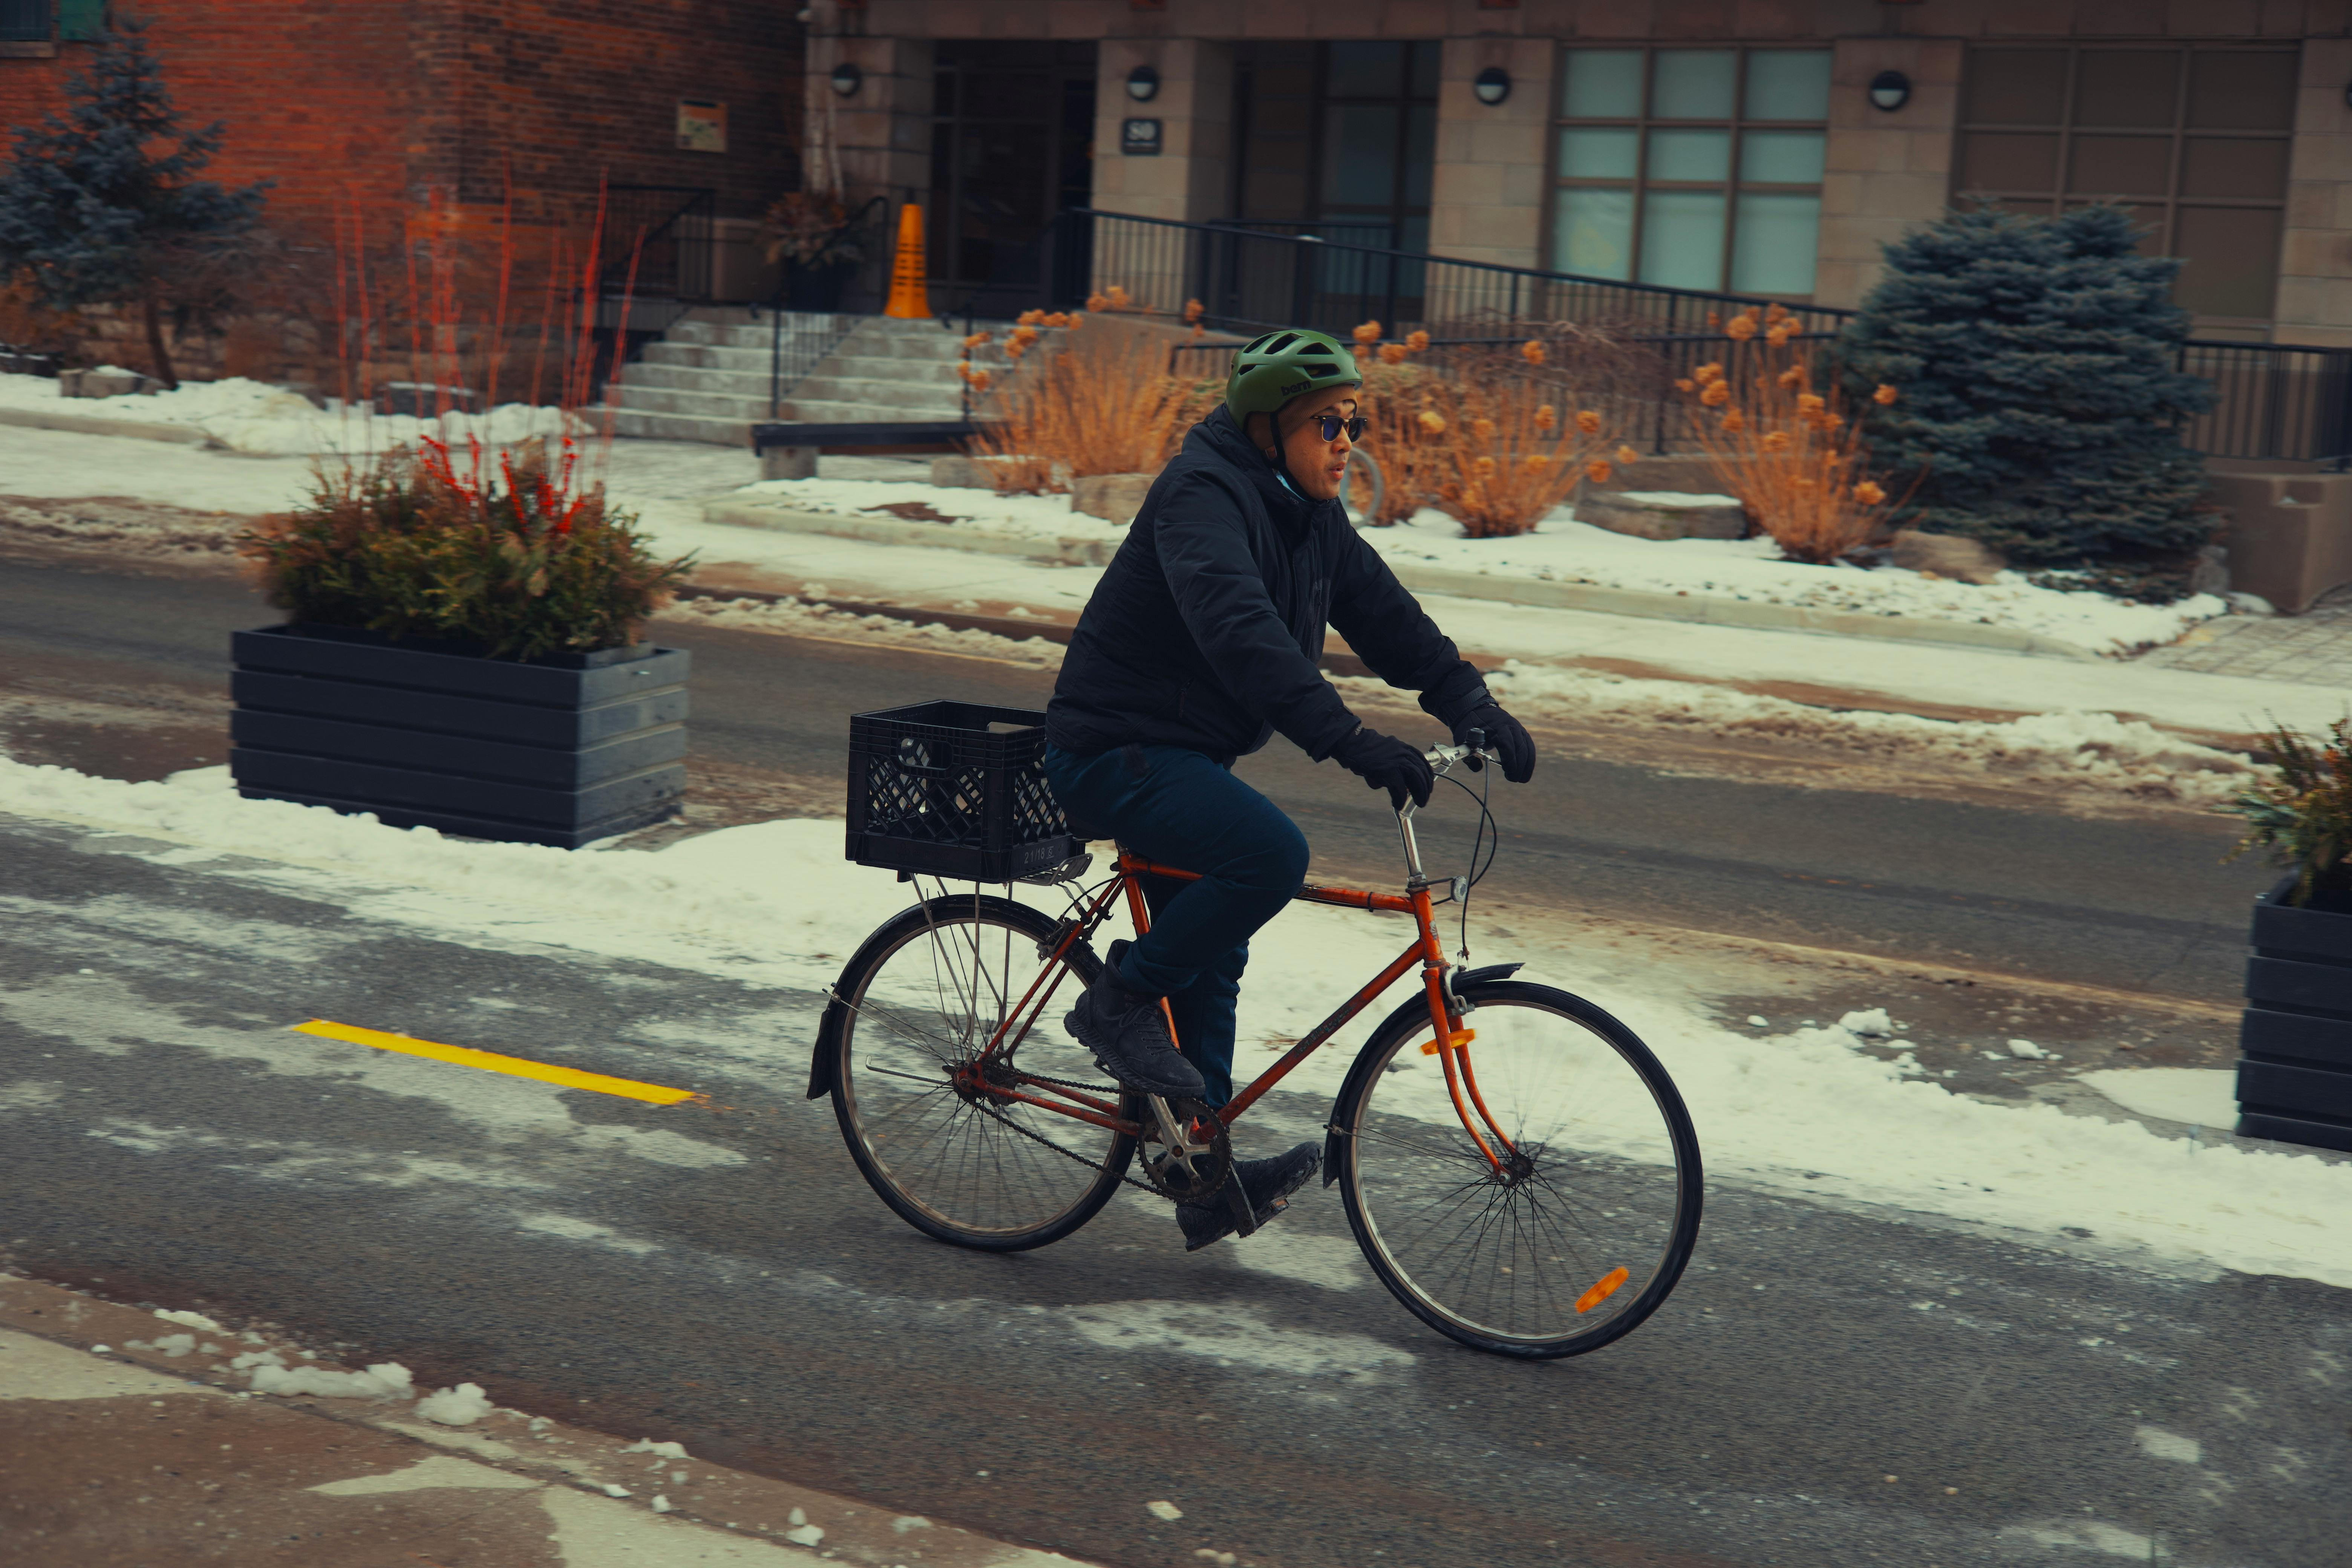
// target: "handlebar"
[[1444, 757]]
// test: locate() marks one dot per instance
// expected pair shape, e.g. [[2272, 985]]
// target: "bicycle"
[[1543, 1205]]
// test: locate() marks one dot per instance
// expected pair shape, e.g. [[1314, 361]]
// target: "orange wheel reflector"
[[1459, 1039], [1601, 1292]]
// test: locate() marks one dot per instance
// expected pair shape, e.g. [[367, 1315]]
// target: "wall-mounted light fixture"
[[1890, 90], [847, 78], [1143, 84], [1492, 85]]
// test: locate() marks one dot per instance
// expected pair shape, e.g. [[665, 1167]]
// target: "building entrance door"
[[1012, 145]]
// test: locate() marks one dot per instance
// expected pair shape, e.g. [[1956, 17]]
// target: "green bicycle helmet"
[[1271, 369]]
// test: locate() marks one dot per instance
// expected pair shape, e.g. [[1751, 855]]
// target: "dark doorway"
[[1012, 128]]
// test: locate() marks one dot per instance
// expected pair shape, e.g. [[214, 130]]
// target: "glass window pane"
[[2122, 166], [2128, 87], [1772, 246], [1690, 155], [1593, 233], [1359, 146], [1781, 157], [1602, 84], [1788, 84], [2016, 86], [2253, 167], [1421, 70], [1599, 153], [2233, 260], [2004, 161], [1693, 84], [1363, 69], [2233, 90], [1682, 239]]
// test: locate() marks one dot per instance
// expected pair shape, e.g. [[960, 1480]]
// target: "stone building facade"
[[1721, 144]]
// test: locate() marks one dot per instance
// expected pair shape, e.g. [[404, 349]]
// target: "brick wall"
[[383, 101]]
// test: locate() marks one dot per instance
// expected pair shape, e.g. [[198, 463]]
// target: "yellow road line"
[[490, 1061]]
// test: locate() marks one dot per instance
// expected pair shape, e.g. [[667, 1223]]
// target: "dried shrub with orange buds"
[[1791, 454], [1499, 450], [1101, 405]]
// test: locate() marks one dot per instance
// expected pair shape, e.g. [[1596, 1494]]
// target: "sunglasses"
[[1331, 424]]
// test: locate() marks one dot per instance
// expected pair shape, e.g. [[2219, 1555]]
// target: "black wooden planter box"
[[2295, 1067], [559, 750]]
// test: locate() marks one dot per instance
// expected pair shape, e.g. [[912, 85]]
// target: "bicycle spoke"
[[971, 1163], [1589, 1183]]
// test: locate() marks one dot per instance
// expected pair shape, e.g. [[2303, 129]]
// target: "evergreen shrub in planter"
[[461, 652], [2295, 1067]]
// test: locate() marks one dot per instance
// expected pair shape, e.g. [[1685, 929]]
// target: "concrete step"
[[746, 332], [707, 356], [688, 378], [863, 389], [649, 427], [879, 367], [699, 405]]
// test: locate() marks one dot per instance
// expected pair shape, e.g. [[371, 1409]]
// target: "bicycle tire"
[[865, 1033], [1356, 1131]]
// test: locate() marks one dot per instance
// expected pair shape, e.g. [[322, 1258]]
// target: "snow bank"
[[256, 417], [2096, 752], [1809, 1111], [1047, 517], [459, 1407], [1565, 550]]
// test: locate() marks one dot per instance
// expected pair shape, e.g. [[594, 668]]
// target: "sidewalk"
[[126, 1442]]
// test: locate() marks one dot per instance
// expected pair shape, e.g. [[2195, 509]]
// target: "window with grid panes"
[[2193, 142], [23, 21], [1694, 168]]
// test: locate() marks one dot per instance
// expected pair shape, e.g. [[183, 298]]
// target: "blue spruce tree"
[[102, 207], [2041, 400]]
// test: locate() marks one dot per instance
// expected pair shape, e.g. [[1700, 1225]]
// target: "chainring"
[[1195, 1175]]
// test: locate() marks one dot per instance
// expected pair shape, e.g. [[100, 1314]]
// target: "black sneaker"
[[1128, 1033], [1268, 1183]]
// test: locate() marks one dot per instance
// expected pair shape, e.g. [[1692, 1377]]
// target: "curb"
[[593, 1484], [1534, 593], [89, 424]]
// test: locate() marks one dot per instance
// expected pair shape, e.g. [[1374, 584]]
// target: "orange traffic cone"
[[909, 300]]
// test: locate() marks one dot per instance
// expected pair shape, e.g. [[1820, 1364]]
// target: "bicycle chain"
[[1057, 1148]]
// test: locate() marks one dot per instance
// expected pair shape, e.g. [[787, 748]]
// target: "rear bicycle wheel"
[[953, 1155], [1580, 1226]]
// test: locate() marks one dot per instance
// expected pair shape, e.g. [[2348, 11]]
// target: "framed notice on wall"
[[1140, 138], [701, 125]]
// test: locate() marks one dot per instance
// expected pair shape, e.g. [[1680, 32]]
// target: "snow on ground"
[[1041, 517], [1807, 1112], [256, 417], [2092, 753], [1565, 550]]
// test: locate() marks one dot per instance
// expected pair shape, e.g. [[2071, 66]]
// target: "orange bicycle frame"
[[1451, 1045]]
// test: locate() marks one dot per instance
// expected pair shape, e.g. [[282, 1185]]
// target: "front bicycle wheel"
[[1577, 1227], [950, 1149]]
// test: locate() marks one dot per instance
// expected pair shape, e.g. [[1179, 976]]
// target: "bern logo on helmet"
[[1296, 387]]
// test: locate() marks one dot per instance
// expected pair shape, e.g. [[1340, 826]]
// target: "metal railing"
[[657, 242], [1249, 278], [2272, 400]]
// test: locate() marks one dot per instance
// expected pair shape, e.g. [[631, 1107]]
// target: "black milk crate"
[[954, 789]]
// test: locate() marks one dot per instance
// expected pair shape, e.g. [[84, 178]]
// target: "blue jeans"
[[1182, 808]]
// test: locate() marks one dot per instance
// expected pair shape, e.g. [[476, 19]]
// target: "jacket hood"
[[1222, 436]]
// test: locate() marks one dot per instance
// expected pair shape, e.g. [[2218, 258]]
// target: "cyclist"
[[1199, 642]]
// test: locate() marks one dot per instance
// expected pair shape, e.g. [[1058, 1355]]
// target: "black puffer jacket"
[[1206, 626]]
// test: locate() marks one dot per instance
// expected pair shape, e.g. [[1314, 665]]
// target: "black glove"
[[1504, 734], [1386, 763]]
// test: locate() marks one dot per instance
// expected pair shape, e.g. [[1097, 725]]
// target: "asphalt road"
[[1830, 1384], [722, 1276], [2140, 904]]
